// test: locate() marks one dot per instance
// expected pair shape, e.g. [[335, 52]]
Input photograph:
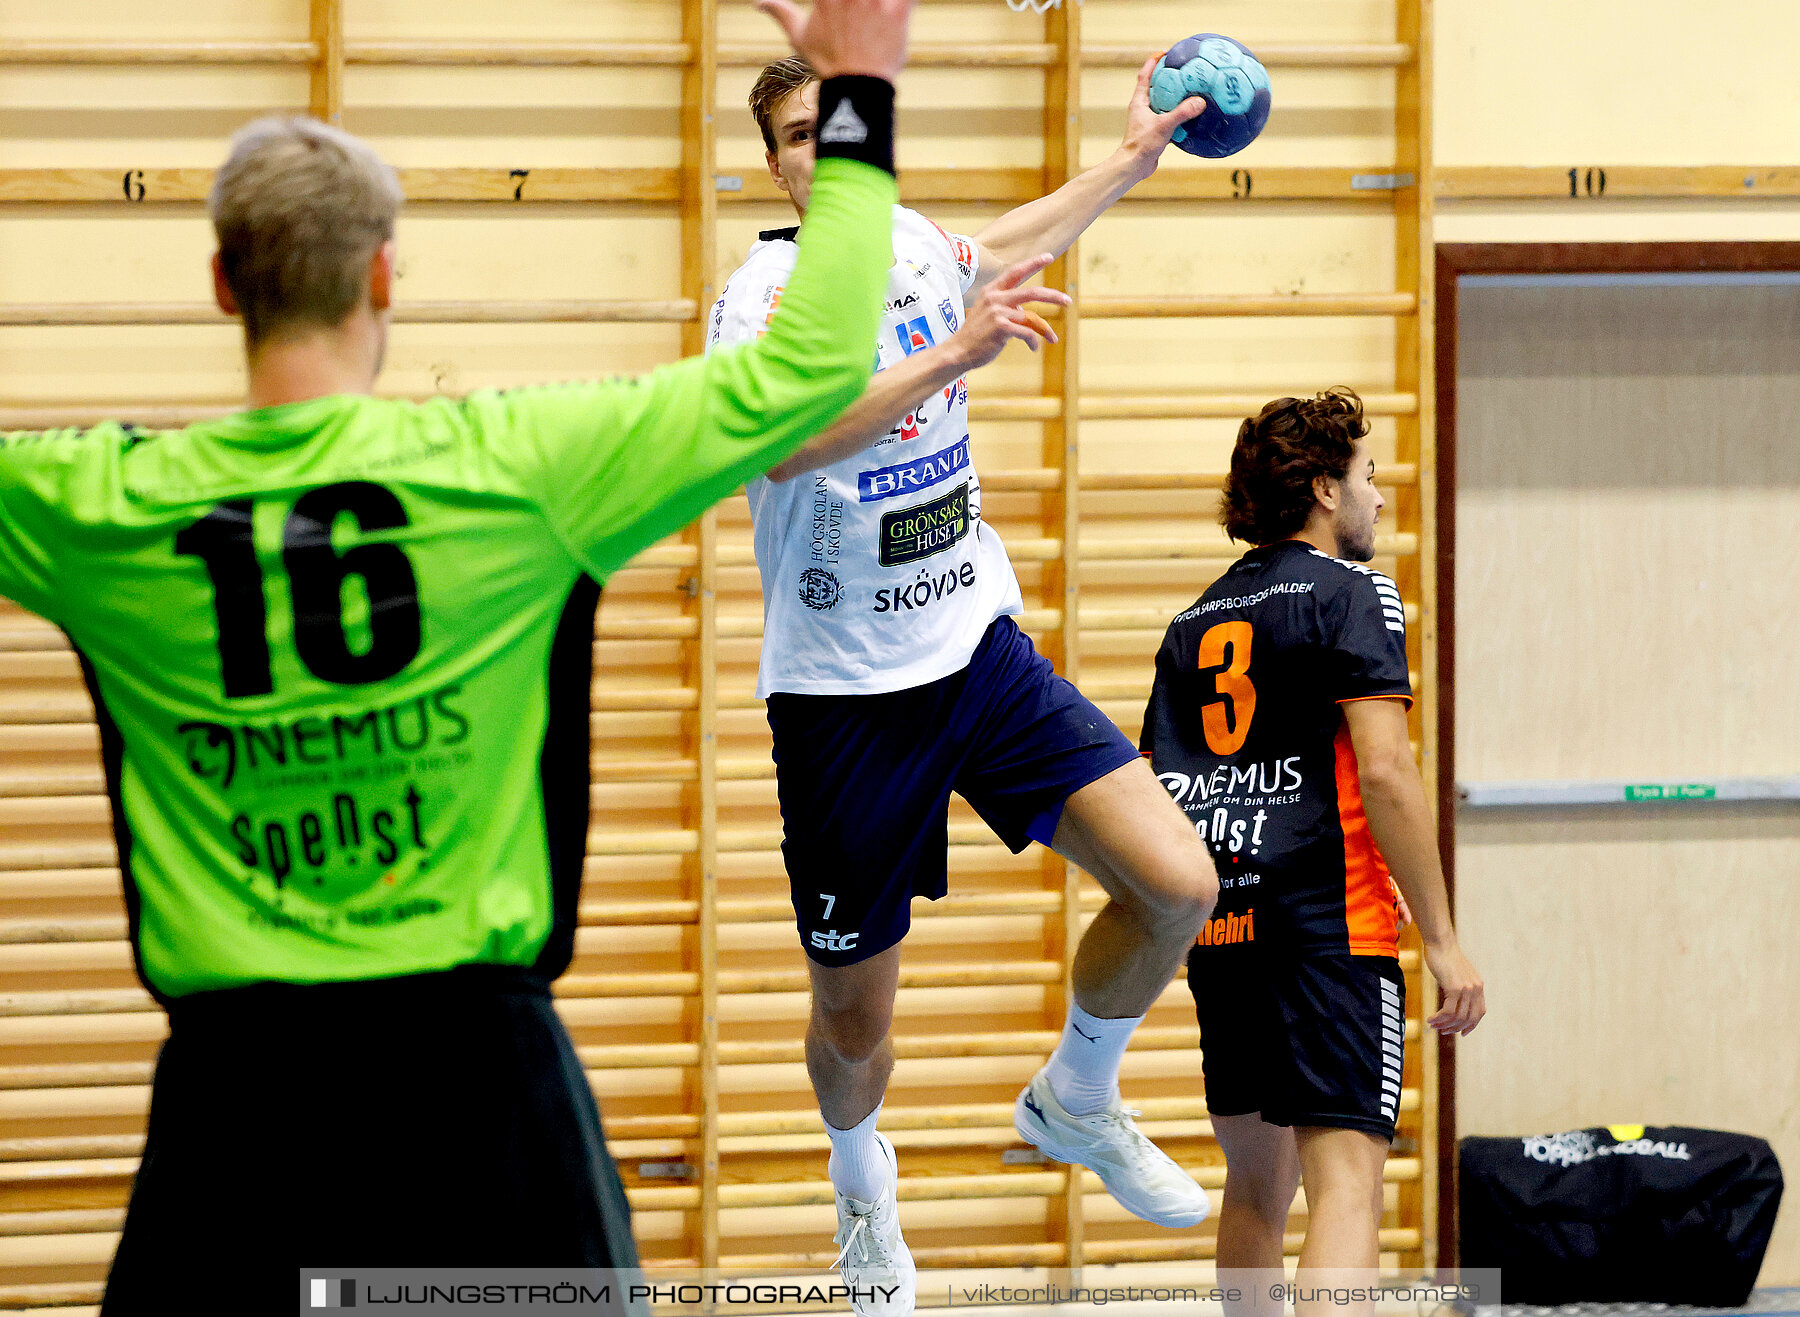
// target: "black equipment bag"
[[1620, 1214]]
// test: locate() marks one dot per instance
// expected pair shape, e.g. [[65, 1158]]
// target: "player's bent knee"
[[1177, 892], [855, 1032], [1269, 1198]]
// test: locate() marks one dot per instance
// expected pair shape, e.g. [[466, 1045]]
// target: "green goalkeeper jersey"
[[340, 649]]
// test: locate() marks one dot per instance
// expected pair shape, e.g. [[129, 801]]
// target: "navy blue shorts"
[[1303, 1039], [865, 783]]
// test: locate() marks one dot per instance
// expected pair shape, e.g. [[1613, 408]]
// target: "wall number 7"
[[829, 901]]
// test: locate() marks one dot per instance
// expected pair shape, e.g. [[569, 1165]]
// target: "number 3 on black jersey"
[[316, 573], [1227, 719]]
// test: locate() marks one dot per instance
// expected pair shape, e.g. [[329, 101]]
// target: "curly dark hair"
[[1278, 455]]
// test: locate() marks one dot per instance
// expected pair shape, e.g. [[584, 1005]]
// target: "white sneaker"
[[876, 1264], [1143, 1178]]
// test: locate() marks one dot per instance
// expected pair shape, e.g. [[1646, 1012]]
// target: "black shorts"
[[865, 783], [434, 1120], [1314, 1039]]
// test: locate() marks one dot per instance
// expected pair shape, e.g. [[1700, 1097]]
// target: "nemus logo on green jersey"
[[222, 751]]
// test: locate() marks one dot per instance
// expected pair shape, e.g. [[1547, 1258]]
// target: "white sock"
[[858, 1167], [1084, 1068]]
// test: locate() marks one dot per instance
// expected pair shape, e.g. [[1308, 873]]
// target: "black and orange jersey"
[[1245, 729]]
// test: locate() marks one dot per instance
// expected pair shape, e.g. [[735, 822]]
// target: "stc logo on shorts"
[[905, 477]]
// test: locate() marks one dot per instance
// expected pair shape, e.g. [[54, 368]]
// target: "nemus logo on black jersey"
[[1234, 780], [905, 477]]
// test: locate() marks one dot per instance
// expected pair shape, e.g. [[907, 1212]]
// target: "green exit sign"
[[1672, 791]]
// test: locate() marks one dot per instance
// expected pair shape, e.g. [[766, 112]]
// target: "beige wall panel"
[[1650, 82], [1164, 22], [519, 118], [1253, 355], [65, 118], [1579, 220], [177, 362], [1644, 434], [1587, 98], [1628, 492], [121, 20], [517, 20], [196, 361], [445, 253], [1222, 247], [503, 356], [73, 254]]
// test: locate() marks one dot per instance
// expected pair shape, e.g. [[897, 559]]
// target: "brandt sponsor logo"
[[905, 477]]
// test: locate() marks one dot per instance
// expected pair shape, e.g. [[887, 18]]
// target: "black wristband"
[[856, 120]]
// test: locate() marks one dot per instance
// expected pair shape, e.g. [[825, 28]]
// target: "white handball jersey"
[[878, 572]]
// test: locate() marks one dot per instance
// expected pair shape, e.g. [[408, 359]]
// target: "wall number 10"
[[1590, 182]]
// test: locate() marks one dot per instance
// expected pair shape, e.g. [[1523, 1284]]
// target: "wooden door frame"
[[1453, 261]]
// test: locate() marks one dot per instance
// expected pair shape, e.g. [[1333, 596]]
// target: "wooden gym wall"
[[1686, 116], [582, 178]]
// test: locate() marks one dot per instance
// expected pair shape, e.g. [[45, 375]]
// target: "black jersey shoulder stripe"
[[564, 769], [112, 762], [790, 234]]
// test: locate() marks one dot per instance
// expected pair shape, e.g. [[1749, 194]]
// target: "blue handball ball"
[[1235, 85]]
